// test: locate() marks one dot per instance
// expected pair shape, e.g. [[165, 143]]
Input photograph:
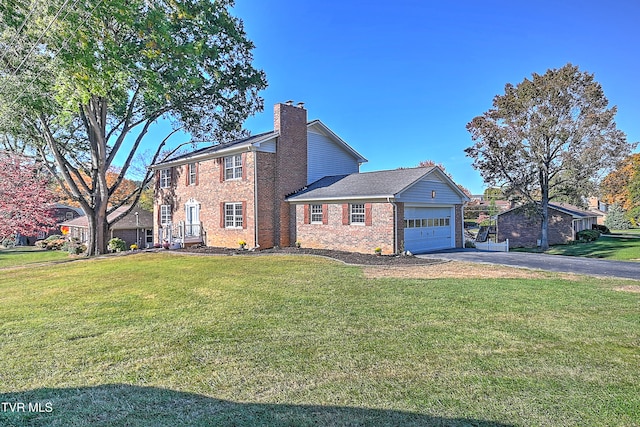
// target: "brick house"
[[135, 227], [261, 189], [522, 227], [61, 213]]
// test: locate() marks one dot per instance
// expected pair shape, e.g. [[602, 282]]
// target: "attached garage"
[[428, 228], [417, 210]]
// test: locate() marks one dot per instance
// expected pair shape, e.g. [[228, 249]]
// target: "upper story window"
[[165, 178], [68, 215], [233, 167], [356, 214], [316, 214], [192, 171]]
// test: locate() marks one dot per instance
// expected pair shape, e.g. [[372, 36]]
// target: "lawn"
[[26, 255], [166, 340], [618, 248], [631, 231]]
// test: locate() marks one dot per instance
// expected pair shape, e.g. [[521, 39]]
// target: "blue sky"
[[400, 80]]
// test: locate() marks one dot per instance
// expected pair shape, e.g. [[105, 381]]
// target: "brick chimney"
[[291, 165]]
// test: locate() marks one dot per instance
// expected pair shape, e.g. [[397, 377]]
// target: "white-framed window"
[[68, 215], [192, 170], [165, 178], [427, 222], [316, 214], [233, 167], [233, 215], [356, 214], [165, 214]]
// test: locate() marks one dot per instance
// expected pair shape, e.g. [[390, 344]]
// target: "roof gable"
[[439, 175], [319, 127], [367, 185]]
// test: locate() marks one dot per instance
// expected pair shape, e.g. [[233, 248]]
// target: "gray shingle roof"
[[360, 185], [145, 219], [248, 141], [573, 210]]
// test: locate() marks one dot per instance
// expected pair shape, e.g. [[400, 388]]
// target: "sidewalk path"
[[557, 263]]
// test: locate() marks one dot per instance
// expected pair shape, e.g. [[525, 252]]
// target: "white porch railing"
[[492, 246], [180, 233]]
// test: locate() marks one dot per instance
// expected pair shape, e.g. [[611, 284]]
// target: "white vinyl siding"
[[326, 158], [422, 192]]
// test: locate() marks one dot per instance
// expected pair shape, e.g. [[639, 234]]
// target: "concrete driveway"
[[558, 263]]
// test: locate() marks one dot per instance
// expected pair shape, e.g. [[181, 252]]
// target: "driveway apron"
[[557, 263]]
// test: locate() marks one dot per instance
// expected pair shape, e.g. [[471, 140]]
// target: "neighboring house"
[[523, 228], [136, 227], [283, 186], [598, 207], [61, 213]]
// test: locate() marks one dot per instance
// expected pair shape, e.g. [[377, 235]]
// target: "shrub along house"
[[301, 182], [522, 227]]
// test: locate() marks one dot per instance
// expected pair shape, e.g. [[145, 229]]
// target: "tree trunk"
[[98, 229], [544, 213], [544, 235]]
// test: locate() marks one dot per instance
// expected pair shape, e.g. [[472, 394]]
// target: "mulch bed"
[[347, 257]]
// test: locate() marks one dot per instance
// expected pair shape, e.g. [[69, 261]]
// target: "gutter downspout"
[[255, 197], [395, 224]]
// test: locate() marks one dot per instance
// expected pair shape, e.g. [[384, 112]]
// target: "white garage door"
[[428, 229]]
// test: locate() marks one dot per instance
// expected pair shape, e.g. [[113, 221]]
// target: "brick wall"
[[266, 196], [290, 167], [400, 226], [352, 238], [129, 236], [210, 192], [524, 231], [459, 225]]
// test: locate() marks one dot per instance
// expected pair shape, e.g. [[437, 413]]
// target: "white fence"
[[492, 246]]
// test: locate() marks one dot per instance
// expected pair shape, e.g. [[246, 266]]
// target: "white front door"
[[192, 223]]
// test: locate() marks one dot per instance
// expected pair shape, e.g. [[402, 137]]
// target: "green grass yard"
[[631, 231], [26, 255], [618, 248], [167, 340]]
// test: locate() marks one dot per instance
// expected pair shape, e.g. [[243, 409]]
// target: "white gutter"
[[293, 199], [212, 155], [255, 197]]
